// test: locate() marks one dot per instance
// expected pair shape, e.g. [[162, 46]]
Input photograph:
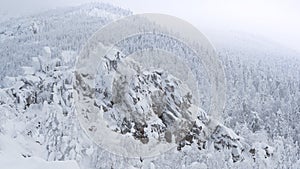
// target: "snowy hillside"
[[24, 37], [39, 127]]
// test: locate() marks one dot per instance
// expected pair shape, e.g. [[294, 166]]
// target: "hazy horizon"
[[274, 20]]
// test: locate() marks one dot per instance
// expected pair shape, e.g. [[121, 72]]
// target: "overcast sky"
[[278, 20]]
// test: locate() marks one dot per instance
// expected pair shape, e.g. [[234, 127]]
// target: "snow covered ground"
[[39, 127]]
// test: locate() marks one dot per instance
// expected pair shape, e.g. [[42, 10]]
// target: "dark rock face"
[[147, 103]]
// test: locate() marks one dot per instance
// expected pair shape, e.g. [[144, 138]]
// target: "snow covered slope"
[[61, 29], [38, 123]]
